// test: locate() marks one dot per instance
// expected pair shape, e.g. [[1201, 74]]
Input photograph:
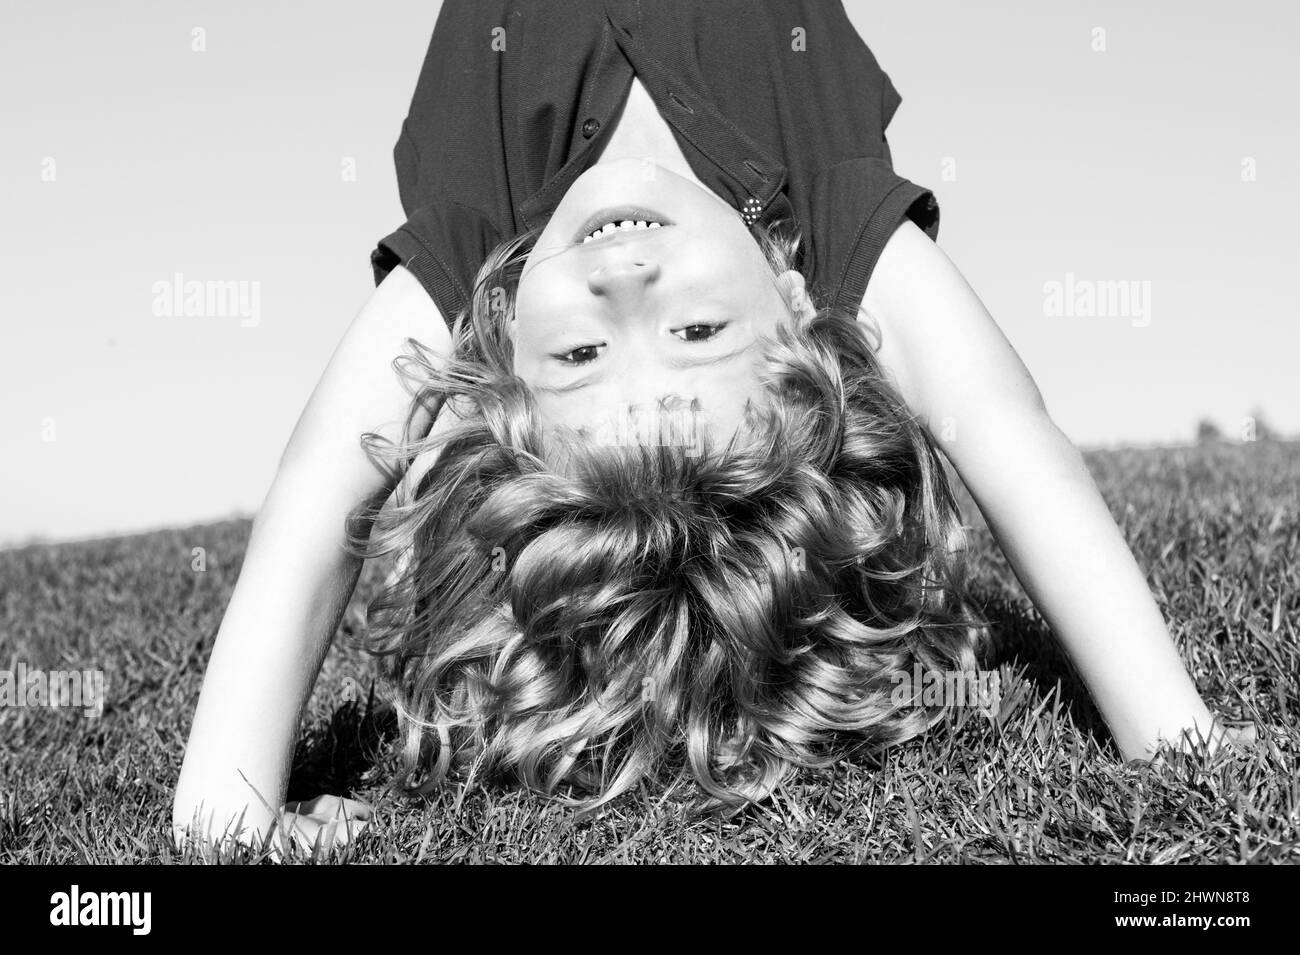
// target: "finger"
[[304, 831], [330, 807], [1244, 734], [312, 807], [343, 831], [314, 834], [356, 809], [311, 835]]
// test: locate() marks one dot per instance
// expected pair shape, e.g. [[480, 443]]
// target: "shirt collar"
[[721, 155]]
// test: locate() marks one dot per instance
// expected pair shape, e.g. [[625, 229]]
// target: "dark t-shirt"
[[777, 105]]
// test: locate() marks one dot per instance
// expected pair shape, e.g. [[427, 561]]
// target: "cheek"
[[526, 330], [731, 263], [535, 307]]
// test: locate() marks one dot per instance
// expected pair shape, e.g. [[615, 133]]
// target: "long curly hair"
[[579, 617]]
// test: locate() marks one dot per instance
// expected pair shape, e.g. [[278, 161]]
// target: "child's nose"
[[623, 279]]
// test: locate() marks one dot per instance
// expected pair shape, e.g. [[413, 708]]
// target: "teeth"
[[626, 225]]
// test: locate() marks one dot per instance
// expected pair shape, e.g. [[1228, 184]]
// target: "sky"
[[1117, 182]]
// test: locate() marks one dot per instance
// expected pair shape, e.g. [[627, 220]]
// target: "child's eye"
[[578, 356], [712, 329], [586, 354]]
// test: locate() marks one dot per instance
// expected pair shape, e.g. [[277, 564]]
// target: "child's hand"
[[1243, 734], [1237, 736], [326, 821]]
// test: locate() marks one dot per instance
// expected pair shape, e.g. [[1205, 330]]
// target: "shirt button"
[[590, 128]]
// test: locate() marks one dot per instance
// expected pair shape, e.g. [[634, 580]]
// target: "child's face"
[[635, 315]]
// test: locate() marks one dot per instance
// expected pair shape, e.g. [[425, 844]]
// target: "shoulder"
[[442, 245], [404, 306], [945, 350], [856, 207]]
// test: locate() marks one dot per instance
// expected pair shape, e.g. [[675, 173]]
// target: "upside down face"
[[642, 287]]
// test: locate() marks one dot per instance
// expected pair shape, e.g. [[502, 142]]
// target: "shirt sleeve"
[[443, 244], [856, 206]]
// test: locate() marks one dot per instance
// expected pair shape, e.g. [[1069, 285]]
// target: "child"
[[587, 600]]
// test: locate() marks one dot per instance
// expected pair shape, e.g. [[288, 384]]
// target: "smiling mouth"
[[611, 228], [620, 221]]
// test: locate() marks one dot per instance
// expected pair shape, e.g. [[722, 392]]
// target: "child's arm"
[[960, 375], [297, 578]]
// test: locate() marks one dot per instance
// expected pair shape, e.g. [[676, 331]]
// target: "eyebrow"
[[677, 362]]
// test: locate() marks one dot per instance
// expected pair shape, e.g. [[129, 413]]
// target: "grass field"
[[1217, 527]]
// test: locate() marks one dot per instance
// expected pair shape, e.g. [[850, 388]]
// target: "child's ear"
[[795, 291]]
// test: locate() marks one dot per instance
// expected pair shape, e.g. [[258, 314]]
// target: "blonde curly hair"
[[579, 617]]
